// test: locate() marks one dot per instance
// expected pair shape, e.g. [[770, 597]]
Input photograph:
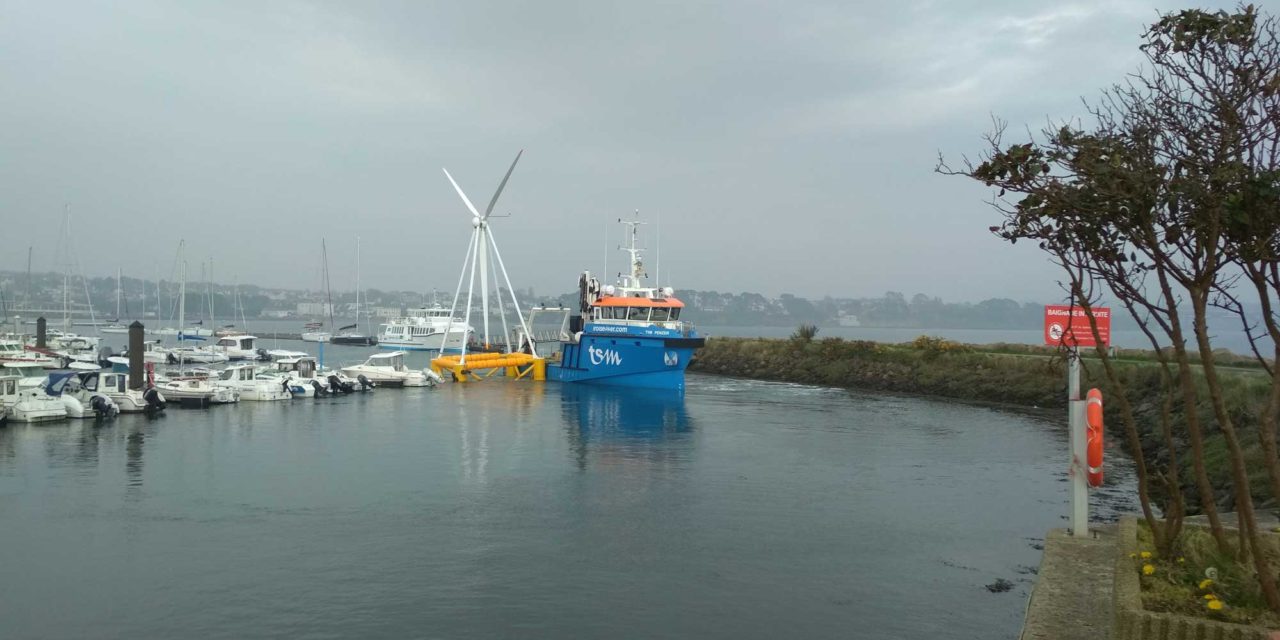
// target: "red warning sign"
[[1066, 325]]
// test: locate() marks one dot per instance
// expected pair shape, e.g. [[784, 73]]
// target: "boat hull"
[[433, 342], [360, 341], [627, 357]]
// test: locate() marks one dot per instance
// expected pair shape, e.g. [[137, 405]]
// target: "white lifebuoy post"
[[1078, 439]]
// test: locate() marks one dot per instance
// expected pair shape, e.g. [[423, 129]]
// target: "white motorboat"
[[238, 347], [388, 369], [424, 329], [14, 351], [116, 387], [304, 378], [63, 387], [189, 391], [316, 336], [28, 404], [284, 354], [243, 378]]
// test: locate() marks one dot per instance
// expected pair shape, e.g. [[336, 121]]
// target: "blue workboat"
[[627, 335]]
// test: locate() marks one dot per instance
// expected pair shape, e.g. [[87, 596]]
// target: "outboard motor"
[[336, 385], [104, 407], [170, 358], [155, 401], [320, 390], [365, 383], [103, 355], [262, 354]]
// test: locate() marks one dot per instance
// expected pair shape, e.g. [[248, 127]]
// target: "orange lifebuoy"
[[1093, 413]]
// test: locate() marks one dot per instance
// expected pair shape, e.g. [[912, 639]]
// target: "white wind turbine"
[[478, 259]]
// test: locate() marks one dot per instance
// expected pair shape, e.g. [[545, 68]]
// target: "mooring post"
[[137, 377], [40, 333], [1077, 440]]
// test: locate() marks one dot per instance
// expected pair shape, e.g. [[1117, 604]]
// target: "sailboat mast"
[[211, 315], [328, 292], [182, 301], [357, 283]]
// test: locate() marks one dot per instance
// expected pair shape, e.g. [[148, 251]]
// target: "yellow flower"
[[1133, 555], [1204, 584], [1210, 596], [1146, 554], [1215, 605], [1182, 560], [1148, 569]]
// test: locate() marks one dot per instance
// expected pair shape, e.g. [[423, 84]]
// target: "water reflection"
[[624, 424]]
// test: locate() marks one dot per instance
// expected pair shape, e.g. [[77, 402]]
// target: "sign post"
[[1068, 326]]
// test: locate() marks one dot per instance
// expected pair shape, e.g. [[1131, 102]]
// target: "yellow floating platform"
[[478, 366]]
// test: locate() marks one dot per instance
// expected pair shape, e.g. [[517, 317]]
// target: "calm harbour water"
[[513, 509]]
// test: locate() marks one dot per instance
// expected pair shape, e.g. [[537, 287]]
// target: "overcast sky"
[[787, 147]]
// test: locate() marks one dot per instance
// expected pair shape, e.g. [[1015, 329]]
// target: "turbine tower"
[[479, 259]]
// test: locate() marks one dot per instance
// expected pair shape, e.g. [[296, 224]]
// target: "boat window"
[[120, 384], [638, 313], [660, 314], [10, 387], [227, 374], [246, 374], [675, 313]]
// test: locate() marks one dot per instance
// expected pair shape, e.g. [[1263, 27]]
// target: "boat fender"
[[1093, 415]]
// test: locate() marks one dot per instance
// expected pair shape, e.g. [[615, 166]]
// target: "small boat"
[[15, 351], [243, 378], [305, 380], [28, 404], [239, 347], [314, 330], [283, 354], [63, 385], [115, 385], [629, 335], [350, 334], [195, 392], [388, 369]]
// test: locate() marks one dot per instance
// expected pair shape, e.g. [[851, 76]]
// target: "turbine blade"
[[502, 185], [460, 193]]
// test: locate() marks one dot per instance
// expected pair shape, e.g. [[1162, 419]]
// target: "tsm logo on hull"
[[604, 356]]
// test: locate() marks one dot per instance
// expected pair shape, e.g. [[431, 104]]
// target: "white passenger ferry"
[[424, 329]]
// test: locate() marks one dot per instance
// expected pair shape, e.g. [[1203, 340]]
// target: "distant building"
[[314, 309], [387, 312], [848, 320], [276, 313]]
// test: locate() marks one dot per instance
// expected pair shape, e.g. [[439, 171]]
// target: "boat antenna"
[[657, 253], [27, 302]]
